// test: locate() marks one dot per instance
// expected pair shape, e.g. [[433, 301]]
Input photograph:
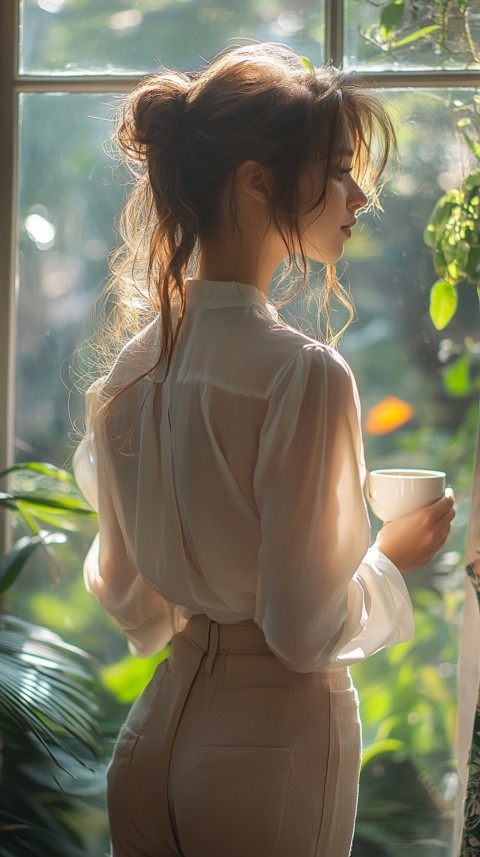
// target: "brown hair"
[[183, 137]]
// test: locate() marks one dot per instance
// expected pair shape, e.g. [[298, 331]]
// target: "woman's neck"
[[243, 256]]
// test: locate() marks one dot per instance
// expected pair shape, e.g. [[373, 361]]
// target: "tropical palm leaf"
[[12, 563], [47, 699], [40, 467], [24, 835], [78, 781], [45, 492], [46, 690]]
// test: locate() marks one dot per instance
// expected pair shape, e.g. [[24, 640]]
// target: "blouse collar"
[[215, 293]]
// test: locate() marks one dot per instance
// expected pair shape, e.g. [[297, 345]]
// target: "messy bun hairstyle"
[[184, 135]]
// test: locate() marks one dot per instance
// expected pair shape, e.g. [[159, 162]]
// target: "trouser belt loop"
[[212, 647]]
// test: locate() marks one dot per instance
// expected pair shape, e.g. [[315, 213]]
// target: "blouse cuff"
[[379, 598], [377, 559]]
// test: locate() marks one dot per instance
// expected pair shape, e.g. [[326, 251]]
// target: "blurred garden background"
[[415, 355]]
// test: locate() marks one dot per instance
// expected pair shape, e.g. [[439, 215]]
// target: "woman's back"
[[185, 484], [239, 490]]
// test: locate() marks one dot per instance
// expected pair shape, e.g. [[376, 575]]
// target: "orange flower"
[[388, 415]]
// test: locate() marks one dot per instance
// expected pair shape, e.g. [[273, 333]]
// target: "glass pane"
[[400, 34], [68, 200], [413, 416], [114, 36]]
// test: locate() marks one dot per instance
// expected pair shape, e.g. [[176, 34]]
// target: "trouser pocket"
[[238, 805], [231, 802]]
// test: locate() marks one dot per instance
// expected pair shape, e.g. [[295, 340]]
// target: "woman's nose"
[[356, 197]]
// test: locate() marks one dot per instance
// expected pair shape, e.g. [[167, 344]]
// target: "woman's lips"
[[347, 229]]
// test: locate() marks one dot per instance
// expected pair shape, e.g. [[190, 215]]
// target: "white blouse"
[[235, 488]]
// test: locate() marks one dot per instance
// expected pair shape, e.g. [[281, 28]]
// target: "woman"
[[225, 458]]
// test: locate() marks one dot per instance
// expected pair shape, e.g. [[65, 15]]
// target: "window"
[[64, 62]]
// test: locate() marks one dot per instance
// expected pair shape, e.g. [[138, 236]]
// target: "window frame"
[[13, 84]]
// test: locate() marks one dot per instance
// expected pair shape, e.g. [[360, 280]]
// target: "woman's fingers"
[[413, 540], [443, 506]]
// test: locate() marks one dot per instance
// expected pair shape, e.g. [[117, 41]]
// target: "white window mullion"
[[334, 13], [429, 79], [77, 84], [8, 208]]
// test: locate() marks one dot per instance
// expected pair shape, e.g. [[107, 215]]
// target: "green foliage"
[[13, 563], [395, 797], [417, 36], [475, 150], [307, 64], [390, 17], [443, 303], [408, 713], [46, 689], [42, 813], [453, 234], [44, 493], [48, 698], [127, 678], [456, 377], [441, 30], [452, 231]]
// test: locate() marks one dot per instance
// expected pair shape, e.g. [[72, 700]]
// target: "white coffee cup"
[[393, 493]]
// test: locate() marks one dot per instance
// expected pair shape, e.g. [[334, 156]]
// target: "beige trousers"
[[229, 754]]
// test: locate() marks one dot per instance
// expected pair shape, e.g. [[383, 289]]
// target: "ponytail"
[[158, 225]]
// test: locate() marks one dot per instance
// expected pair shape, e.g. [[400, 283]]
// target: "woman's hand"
[[413, 540]]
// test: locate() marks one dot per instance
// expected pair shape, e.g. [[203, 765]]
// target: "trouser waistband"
[[212, 637]]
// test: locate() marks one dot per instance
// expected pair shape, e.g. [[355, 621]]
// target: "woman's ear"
[[253, 179]]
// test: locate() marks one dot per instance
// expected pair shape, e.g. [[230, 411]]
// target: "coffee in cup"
[[394, 493]]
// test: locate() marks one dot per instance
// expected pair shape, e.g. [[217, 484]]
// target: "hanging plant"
[[453, 234]]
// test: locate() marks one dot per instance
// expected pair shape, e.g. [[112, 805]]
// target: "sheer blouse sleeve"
[[324, 599], [145, 617]]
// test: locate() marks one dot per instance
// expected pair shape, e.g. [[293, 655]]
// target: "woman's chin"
[[327, 258]]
